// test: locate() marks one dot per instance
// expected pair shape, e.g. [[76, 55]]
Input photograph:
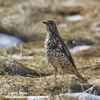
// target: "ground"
[[23, 19]]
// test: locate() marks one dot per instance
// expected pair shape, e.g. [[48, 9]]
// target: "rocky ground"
[[23, 19]]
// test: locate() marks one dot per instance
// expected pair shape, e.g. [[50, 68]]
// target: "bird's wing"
[[67, 52]]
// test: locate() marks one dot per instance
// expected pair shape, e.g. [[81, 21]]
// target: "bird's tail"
[[81, 77]]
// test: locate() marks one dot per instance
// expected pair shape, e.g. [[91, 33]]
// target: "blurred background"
[[22, 36], [77, 20]]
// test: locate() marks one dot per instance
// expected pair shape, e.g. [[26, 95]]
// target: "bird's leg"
[[55, 72], [55, 75], [63, 73]]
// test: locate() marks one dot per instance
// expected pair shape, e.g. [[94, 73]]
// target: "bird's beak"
[[45, 22]]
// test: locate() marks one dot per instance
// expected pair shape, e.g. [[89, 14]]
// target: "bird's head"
[[50, 26]]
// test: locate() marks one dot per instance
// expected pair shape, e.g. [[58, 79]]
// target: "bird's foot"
[[55, 75]]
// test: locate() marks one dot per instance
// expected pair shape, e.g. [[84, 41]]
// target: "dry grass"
[[46, 85]]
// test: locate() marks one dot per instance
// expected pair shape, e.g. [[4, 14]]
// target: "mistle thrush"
[[57, 53]]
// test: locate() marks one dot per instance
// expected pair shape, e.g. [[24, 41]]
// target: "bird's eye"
[[51, 23]]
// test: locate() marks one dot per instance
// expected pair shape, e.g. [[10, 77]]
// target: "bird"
[[57, 53]]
